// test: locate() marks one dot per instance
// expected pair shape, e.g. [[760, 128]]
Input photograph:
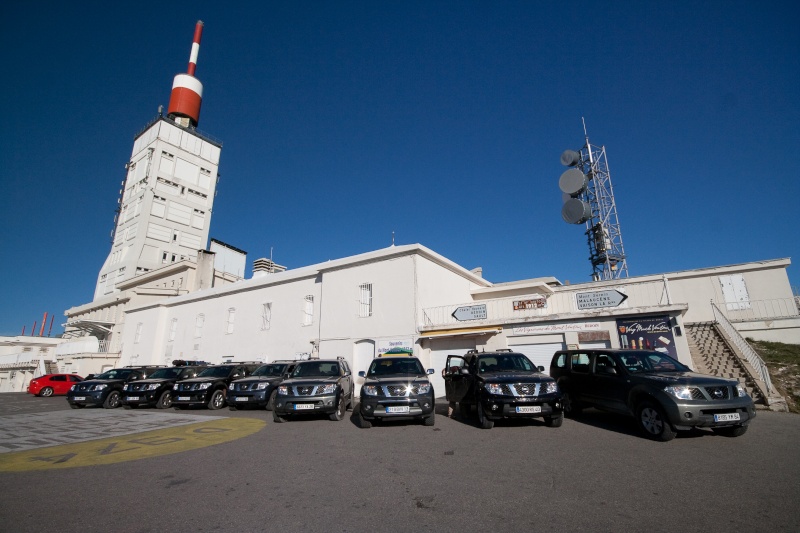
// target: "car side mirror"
[[464, 370], [540, 368], [429, 371], [236, 375], [362, 374]]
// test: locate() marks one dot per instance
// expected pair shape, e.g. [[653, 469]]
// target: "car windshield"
[[316, 368], [215, 372], [270, 370], [385, 367], [651, 362], [115, 373], [512, 362], [165, 373]]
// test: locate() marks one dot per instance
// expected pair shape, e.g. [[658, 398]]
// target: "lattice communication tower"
[[590, 201]]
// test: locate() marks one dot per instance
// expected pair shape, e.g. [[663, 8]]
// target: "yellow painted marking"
[[131, 447]]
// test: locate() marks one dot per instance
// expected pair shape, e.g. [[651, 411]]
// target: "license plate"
[[79, 398], [529, 409], [727, 417], [241, 399], [132, 399], [397, 409], [303, 406], [183, 398]]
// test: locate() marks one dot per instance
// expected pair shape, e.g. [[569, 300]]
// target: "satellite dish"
[[576, 211], [570, 158], [572, 182]]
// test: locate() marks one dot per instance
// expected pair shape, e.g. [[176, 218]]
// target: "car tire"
[[429, 420], [653, 423], [112, 400], [338, 414], [164, 401], [271, 402], [77, 405], [363, 423], [484, 422], [554, 421], [47, 391], [278, 419], [571, 407], [217, 400], [730, 431]]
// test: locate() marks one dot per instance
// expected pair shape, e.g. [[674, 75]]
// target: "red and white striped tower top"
[[187, 91]]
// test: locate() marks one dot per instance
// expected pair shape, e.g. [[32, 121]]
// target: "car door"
[[579, 378], [347, 379], [59, 384], [456, 381], [607, 385]]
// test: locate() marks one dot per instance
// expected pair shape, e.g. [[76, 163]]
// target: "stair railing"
[[750, 354]]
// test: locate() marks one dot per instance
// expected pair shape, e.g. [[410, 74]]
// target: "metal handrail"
[[745, 348]]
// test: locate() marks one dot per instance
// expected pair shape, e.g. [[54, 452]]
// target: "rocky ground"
[[783, 361]]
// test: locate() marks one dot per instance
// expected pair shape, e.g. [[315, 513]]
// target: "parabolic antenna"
[[576, 211], [570, 158], [572, 182]]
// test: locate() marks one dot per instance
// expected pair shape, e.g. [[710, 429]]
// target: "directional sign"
[[596, 300], [470, 312]]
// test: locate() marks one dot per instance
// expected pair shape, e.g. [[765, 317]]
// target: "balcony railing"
[[759, 309]]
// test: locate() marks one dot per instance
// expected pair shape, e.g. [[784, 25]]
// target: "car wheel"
[[217, 400], [277, 418], [77, 405], [571, 408], [484, 422], [730, 431], [363, 423], [112, 400], [429, 421], [554, 421], [652, 421], [165, 400], [47, 391], [271, 401], [338, 414]]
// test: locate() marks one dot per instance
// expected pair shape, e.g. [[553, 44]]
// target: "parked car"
[[106, 389], [396, 387], [51, 384], [315, 386], [501, 384], [156, 390], [210, 386], [256, 389], [662, 394]]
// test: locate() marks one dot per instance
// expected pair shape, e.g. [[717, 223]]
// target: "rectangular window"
[[231, 319], [198, 326], [138, 336], [308, 310], [266, 315], [365, 300], [173, 329]]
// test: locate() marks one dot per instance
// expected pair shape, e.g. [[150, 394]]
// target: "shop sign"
[[647, 333], [384, 346], [539, 302], [557, 328], [470, 312], [600, 299]]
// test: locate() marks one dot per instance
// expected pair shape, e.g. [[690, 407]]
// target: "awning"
[[461, 332], [91, 327]]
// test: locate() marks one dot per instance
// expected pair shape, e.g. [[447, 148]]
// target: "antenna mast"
[[591, 202]]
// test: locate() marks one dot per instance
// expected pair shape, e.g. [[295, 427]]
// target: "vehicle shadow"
[[624, 425]]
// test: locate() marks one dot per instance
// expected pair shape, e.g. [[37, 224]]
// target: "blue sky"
[[442, 122]]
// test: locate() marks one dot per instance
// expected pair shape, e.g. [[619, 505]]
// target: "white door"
[[363, 354], [539, 354], [440, 349]]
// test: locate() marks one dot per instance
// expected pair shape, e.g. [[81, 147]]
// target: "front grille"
[[697, 394], [520, 389], [718, 393], [305, 390], [188, 386], [244, 386]]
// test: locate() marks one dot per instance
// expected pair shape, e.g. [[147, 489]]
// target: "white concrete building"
[[23, 358]]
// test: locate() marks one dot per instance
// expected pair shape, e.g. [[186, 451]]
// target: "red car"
[[51, 384]]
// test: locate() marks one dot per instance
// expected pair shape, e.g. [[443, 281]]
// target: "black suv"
[[256, 389], [663, 395], [106, 389], [501, 384], [210, 386], [396, 387], [156, 390], [315, 386]]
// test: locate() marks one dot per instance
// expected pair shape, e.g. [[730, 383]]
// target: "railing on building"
[[752, 357], [640, 294], [752, 310]]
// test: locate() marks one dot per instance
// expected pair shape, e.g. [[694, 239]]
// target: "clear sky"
[[440, 121]]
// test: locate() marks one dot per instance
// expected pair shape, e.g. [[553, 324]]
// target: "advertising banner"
[[647, 333]]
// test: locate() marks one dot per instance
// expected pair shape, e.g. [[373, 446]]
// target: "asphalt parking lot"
[[199, 470]]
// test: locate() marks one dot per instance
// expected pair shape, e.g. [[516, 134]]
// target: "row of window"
[[364, 310]]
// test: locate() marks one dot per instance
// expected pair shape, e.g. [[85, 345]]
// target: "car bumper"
[[140, 398], [88, 398], [495, 408], [377, 407], [690, 414], [190, 397], [259, 398], [298, 405]]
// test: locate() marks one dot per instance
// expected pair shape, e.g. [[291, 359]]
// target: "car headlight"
[[230, 387], [152, 386], [550, 387], [740, 390], [493, 388], [175, 387], [370, 390], [99, 387], [424, 389], [72, 388], [261, 386], [283, 389], [125, 387], [681, 393], [327, 389], [204, 386]]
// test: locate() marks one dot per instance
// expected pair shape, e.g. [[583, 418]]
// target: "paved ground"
[[593, 474]]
